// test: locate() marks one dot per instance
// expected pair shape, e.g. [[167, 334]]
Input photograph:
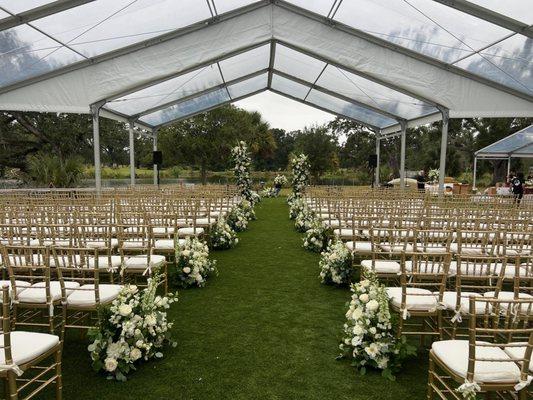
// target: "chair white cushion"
[[36, 293], [382, 266], [167, 244], [449, 300], [105, 262], [27, 346], [396, 248], [344, 232], [141, 262], [101, 244], [85, 295], [417, 298], [504, 295], [467, 249], [425, 267], [510, 270], [454, 353], [190, 231], [473, 269], [517, 353], [134, 244], [205, 221], [60, 242], [162, 230], [359, 246], [21, 285]]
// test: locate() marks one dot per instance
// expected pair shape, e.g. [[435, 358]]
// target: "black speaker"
[[372, 160], [158, 158]]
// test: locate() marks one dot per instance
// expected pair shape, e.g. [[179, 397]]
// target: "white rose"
[[364, 298], [186, 270], [372, 305], [365, 283], [125, 310], [135, 354], [110, 364], [358, 330], [185, 253], [357, 313]]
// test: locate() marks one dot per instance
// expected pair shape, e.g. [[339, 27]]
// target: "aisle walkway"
[[265, 328]]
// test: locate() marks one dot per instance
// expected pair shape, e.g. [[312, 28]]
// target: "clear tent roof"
[[519, 145], [378, 62]]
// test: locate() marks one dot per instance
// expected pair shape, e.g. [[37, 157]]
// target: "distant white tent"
[[517, 145]]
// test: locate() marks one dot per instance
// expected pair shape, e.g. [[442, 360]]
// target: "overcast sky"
[[281, 112]]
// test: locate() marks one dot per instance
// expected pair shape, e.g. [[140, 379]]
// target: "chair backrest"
[[424, 270]]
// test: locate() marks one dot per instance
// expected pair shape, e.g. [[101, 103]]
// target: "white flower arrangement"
[[368, 332], [133, 329], [247, 210], [237, 219], [336, 264], [297, 206], [301, 171], [317, 236], [433, 175], [193, 263], [280, 180], [241, 171], [222, 235], [305, 220], [268, 192]]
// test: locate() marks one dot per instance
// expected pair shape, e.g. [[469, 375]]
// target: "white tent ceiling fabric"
[[383, 74]]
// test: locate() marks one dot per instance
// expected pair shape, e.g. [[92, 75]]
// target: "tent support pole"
[[475, 173], [95, 112], [443, 145], [378, 143], [132, 153], [155, 166], [508, 166], [403, 125]]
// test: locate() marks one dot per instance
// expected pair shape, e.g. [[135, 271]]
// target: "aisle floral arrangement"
[[247, 210], [336, 264], [222, 235], [193, 263], [241, 170], [317, 236], [296, 207], [280, 180], [300, 174], [305, 220], [237, 219], [368, 339], [268, 192], [132, 330]]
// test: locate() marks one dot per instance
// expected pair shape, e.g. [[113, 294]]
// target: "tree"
[[321, 146]]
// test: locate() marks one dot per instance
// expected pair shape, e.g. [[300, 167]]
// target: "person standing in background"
[[517, 187], [421, 180]]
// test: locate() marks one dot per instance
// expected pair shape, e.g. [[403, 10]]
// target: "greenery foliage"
[[50, 170]]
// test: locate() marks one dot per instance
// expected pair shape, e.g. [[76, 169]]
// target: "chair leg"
[[11, 384], [59, 378], [430, 378]]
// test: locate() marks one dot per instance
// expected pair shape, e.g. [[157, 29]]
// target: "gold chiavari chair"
[[80, 266], [29, 361], [494, 360]]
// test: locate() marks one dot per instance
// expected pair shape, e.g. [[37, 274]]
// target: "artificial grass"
[[265, 328]]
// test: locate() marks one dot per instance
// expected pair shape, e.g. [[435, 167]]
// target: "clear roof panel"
[[424, 26], [248, 86], [519, 142], [289, 87], [25, 53], [101, 26], [349, 109], [167, 91], [187, 107], [374, 94], [317, 6], [245, 63], [3, 15], [228, 5], [18, 6], [509, 62], [297, 64], [521, 10]]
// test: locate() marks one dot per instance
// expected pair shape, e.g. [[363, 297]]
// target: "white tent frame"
[[484, 154], [273, 35]]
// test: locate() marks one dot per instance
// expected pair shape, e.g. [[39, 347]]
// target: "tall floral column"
[[241, 171], [300, 175]]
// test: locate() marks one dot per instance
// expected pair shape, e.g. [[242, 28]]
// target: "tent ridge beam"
[[489, 16], [338, 96], [370, 126], [40, 12], [137, 46], [335, 25], [209, 108], [198, 94]]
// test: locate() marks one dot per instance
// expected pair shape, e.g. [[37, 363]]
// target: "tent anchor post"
[[403, 125], [95, 112]]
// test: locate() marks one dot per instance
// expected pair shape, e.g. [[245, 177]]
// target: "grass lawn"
[[265, 328]]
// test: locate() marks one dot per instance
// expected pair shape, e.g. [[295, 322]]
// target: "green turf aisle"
[[265, 328]]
